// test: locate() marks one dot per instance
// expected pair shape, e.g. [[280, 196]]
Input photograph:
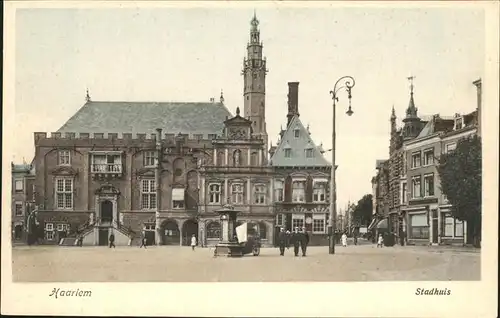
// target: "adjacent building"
[[23, 198], [407, 186], [302, 177]]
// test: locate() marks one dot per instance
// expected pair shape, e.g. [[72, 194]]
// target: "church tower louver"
[[254, 92]]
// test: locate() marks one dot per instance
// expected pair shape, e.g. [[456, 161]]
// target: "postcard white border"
[[389, 299]]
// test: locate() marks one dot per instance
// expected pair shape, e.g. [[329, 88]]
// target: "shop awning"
[[372, 224], [383, 224], [178, 194]]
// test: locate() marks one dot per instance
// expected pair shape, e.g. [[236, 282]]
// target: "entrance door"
[[18, 231], [435, 231], [435, 224], [106, 211], [190, 227], [103, 236], [150, 237]]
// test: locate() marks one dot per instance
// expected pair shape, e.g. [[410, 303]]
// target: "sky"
[[190, 54]]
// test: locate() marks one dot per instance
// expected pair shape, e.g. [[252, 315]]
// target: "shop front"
[[452, 231], [418, 229]]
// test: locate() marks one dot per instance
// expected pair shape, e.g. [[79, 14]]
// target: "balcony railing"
[[107, 168]]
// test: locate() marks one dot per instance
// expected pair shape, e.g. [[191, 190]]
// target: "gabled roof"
[[297, 146], [238, 120], [145, 117], [436, 124]]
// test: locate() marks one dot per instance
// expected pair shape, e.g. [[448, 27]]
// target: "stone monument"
[[228, 244]]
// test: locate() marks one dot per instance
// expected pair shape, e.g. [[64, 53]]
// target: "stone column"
[[226, 193], [97, 210], [249, 192], [431, 227], [440, 229], [96, 236], [180, 225], [270, 195], [115, 213], [202, 191], [226, 157], [215, 156], [465, 232], [225, 231], [249, 157], [260, 157]]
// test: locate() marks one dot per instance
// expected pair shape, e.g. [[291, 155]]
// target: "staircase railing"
[[126, 230]]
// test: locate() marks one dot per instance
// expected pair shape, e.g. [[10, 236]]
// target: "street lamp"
[[348, 84]]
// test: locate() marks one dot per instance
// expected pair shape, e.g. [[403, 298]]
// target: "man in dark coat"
[[295, 240], [282, 241], [112, 240], [304, 241]]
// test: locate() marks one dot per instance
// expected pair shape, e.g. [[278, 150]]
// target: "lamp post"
[[347, 83]]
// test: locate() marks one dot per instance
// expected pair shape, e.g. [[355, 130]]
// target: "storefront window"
[[452, 227], [419, 228], [448, 226], [459, 228]]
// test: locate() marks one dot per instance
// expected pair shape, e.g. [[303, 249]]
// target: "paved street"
[[180, 264]]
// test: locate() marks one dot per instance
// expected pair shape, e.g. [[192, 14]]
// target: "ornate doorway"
[[106, 203], [106, 211]]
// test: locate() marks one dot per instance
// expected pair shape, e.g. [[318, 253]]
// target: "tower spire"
[[411, 111], [221, 96]]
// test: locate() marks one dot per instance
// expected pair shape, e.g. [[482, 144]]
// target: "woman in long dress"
[[344, 240]]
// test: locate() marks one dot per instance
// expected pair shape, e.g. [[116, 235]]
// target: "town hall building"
[[162, 169]]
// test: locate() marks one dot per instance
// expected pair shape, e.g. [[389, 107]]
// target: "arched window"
[[213, 230]]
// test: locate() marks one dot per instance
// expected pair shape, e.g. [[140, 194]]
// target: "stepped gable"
[[297, 146], [145, 117]]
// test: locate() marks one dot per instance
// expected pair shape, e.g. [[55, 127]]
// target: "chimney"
[[293, 100]]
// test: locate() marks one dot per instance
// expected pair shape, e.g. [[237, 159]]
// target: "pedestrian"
[[344, 240], [304, 241], [144, 242], [402, 237], [80, 240], [112, 240], [295, 240], [380, 242], [193, 242], [283, 241]]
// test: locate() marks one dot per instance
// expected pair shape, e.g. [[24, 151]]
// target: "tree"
[[461, 179], [362, 213]]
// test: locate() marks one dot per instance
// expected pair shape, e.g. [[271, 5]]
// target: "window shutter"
[[288, 189], [309, 189]]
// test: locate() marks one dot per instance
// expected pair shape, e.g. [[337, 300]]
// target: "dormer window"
[[459, 122], [296, 133], [309, 153], [288, 153]]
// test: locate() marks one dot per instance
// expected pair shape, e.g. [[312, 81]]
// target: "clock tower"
[[254, 78]]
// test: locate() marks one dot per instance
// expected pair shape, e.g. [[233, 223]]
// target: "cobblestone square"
[[181, 264]]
